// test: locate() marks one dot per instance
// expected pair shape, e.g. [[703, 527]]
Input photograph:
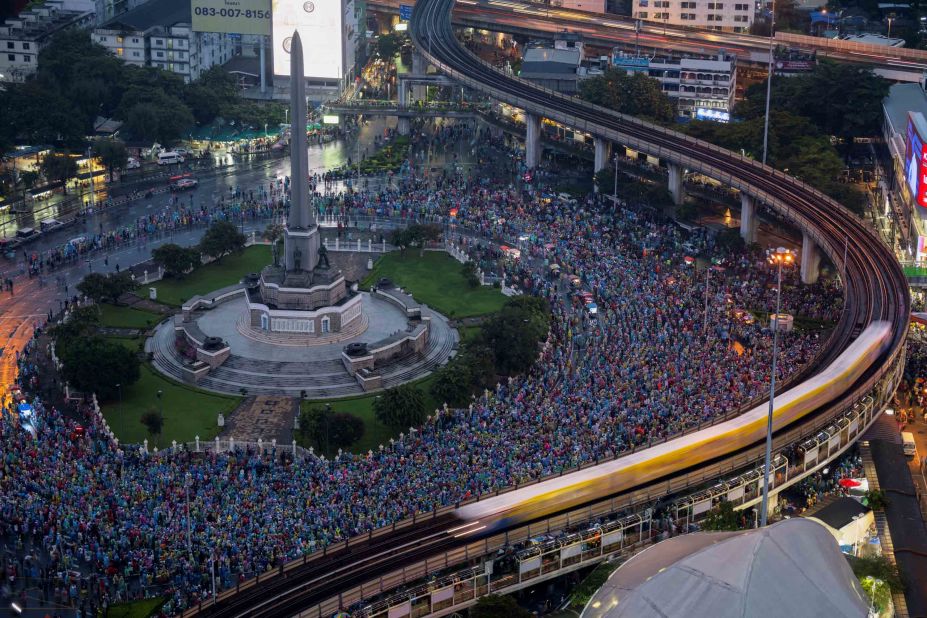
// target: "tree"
[[344, 429], [636, 95], [28, 180], [312, 426], [142, 122], [468, 270], [388, 46], [498, 606], [838, 99], [401, 238], [723, 518], [453, 384], [96, 365], [877, 567], [401, 407], [176, 261], [112, 153], [102, 288], [222, 238], [515, 333], [81, 322], [59, 168], [154, 423]]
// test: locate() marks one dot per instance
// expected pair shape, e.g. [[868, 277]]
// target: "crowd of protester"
[[646, 366]]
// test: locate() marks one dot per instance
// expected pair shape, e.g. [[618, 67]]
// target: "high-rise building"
[[24, 36], [727, 16], [159, 34], [702, 88]]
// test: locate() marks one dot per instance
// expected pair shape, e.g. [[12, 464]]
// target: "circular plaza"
[[264, 362]]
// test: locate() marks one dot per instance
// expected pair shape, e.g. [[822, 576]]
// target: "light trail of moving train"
[[699, 447]]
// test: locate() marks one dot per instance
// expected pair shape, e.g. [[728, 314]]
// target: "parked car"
[[133, 164]]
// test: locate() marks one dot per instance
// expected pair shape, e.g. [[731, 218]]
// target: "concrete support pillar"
[[403, 126], [402, 96], [419, 67], [748, 219], [602, 150], [532, 140], [810, 260], [676, 187], [263, 66]]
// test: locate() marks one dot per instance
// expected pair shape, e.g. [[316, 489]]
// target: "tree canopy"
[[401, 407], [515, 333], [222, 238], [96, 365], [838, 99], [636, 95], [78, 80], [102, 288], [176, 260], [498, 606]]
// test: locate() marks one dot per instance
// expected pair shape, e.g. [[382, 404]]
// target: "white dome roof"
[[793, 568]]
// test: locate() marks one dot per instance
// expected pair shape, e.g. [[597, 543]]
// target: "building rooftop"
[[22, 28], [873, 39], [840, 512], [901, 99], [548, 60], [792, 568], [163, 13]]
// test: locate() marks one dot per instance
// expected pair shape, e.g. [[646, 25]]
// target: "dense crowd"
[[646, 366], [178, 214]]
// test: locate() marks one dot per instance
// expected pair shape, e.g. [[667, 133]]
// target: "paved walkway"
[[262, 417]]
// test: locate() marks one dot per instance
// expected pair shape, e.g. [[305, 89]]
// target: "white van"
[[908, 444], [169, 157]]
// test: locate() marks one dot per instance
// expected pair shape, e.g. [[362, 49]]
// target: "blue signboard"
[[405, 12]]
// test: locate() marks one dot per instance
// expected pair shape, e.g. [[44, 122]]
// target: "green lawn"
[[129, 343], [228, 271], [435, 279], [126, 317], [188, 412], [375, 432], [136, 609]]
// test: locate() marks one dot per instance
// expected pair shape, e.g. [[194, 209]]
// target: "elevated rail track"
[[874, 286]]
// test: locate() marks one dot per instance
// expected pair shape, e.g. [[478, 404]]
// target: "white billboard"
[[231, 16], [319, 23]]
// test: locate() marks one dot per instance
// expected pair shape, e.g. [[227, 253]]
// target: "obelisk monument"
[[301, 239]]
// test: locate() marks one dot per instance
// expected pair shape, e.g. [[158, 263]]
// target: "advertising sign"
[[915, 166], [405, 12], [319, 23], [630, 63], [921, 249], [231, 16], [702, 113]]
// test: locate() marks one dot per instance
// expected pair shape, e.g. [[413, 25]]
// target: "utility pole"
[[772, 25]]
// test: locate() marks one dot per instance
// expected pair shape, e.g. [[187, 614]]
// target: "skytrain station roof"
[[792, 568]]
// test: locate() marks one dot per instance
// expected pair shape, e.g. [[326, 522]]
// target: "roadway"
[[609, 30], [875, 289]]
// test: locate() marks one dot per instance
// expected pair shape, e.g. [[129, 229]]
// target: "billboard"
[[231, 16], [915, 159], [319, 23]]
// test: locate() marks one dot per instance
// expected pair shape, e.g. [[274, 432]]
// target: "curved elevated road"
[[875, 290]]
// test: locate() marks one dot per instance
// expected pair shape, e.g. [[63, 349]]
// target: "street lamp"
[[778, 257], [119, 388], [160, 395]]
